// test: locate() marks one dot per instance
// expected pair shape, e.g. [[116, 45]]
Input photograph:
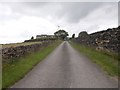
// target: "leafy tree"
[[32, 37], [61, 34], [83, 34], [73, 36]]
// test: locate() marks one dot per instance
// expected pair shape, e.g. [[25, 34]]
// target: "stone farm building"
[[44, 36]]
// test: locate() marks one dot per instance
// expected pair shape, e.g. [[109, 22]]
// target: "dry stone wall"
[[106, 40], [11, 53]]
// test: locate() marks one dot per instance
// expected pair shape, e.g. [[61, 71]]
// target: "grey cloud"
[[93, 16], [73, 12], [76, 11], [35, 4], [40, 9]]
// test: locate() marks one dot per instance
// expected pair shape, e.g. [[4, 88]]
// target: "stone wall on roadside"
[[11, 53], [106, 40], [41, 40]]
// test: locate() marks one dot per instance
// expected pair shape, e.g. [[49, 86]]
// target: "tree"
[[73, 36], [61, 34], [83, 34], [32, 37]]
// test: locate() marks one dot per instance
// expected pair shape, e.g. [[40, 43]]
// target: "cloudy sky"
[[21, 20]]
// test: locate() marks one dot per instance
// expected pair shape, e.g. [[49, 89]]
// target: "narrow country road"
[[66, 68]]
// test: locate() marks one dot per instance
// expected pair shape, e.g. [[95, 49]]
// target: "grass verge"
[[13, 72], [106, 62]]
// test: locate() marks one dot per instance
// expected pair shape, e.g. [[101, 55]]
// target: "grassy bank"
[[105, 61], [13, 72]]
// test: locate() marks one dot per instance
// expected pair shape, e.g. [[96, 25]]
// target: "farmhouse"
[[44, 36]]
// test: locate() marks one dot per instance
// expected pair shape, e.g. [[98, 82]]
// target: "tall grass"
[[107, 62]]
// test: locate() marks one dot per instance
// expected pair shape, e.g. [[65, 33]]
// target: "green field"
[[18, 44], [108, 62], [13, 72]]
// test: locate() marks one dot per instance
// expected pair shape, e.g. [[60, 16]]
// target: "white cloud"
[[20, 21], [25, 27]]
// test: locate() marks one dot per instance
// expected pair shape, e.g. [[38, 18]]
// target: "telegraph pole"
[[58, 27]]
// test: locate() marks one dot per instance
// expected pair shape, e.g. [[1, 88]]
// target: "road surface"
[[66, 68]]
